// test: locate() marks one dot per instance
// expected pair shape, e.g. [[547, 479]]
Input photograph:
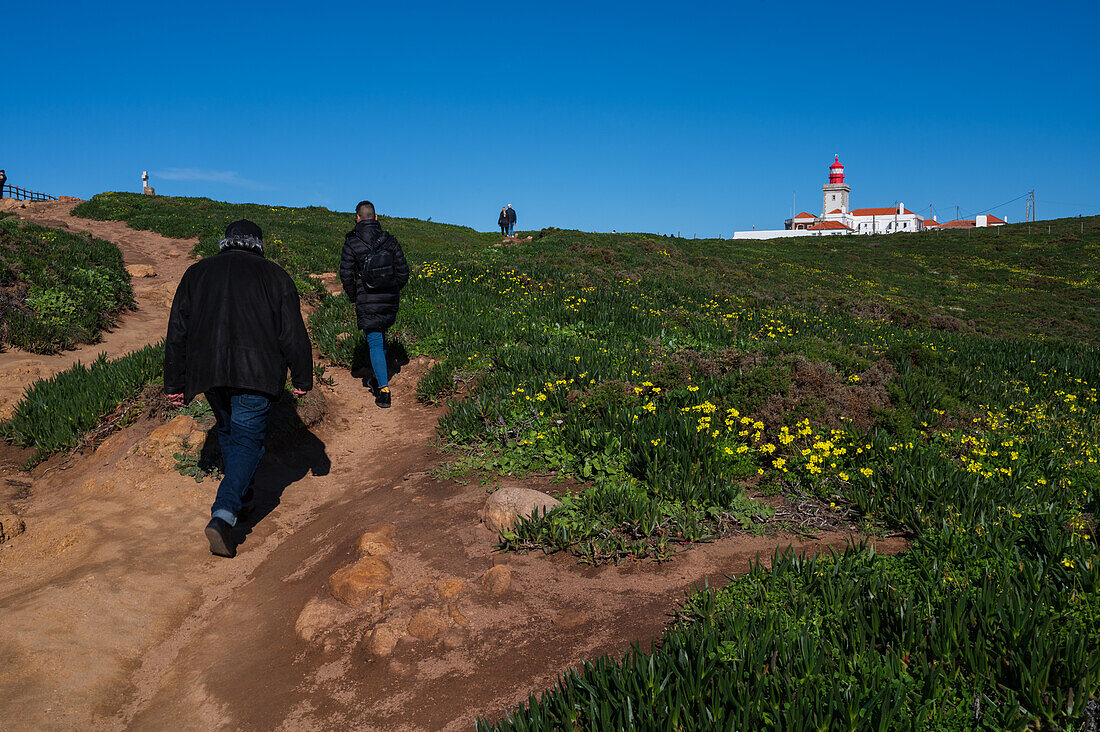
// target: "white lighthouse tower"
[[836, 192]]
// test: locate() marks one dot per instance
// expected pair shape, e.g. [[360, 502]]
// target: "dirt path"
[[147, 324], [113, 614]]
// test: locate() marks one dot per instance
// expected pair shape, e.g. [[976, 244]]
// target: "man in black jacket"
[[235, 327], [375, 306], [3, 182], [511, 214]]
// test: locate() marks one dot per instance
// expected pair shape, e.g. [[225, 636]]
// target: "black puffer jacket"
[[236, 322], [374, 309]]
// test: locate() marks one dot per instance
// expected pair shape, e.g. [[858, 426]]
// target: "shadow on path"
[[292, 451], [396, 357]]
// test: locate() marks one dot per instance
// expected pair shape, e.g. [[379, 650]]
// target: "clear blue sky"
[[701, 118]]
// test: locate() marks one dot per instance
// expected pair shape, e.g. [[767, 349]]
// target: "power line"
[[958, 214], [999, 205]]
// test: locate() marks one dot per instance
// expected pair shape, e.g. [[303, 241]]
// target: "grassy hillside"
[[940, 384], [303, 240], [57, 289], [1000, 280]]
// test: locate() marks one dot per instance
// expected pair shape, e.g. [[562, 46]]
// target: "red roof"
[[805, 215], [836, 163], [834, 211], [930, 224], [990, 220], [829, 225], [884, 211]]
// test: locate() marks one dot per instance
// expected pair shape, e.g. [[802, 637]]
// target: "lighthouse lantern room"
[[835, 193]]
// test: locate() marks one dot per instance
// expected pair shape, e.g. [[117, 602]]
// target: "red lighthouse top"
[[836, 171]]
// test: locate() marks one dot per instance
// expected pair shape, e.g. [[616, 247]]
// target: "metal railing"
[[22, 194]]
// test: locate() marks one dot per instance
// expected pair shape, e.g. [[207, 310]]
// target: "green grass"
[[55, 413], [58, 289], [303, 240], [941, 384]]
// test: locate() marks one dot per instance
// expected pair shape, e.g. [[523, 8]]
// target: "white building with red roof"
[[837, 218], [881, 220], [979, 221]]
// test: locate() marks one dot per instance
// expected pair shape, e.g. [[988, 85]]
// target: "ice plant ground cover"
[[57, 288], [941, 384]]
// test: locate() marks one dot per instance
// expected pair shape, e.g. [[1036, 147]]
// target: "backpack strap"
[[370, 250]]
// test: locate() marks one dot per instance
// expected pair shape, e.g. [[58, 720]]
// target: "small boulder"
[[141, 270], [497, 580], [11, 526], [358, 582], [507, 504], [427, 624], [165, 441], [450, 587], [377, 542], [316, 618], [383, 639]]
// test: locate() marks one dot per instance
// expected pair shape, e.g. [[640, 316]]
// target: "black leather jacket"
[[236, 322]]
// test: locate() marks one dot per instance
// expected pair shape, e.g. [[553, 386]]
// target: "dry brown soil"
[[113, 614]]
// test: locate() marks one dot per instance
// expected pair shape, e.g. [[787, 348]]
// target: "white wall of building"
[[770, 233], [886, 224], [787, 233], [834, 196]]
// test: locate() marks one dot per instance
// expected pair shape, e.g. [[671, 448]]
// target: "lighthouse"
[[836, 192]]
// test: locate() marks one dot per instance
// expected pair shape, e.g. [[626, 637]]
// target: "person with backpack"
[[511, 216], [373, 270], [234, 328], [502, 221]]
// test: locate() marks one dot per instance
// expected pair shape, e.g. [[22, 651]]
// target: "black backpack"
[[378, 271]]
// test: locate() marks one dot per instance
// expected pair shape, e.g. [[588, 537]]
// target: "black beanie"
[[244, 227]]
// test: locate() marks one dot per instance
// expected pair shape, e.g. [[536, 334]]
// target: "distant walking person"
[[235, 327], [3, 182], [373, 271], [502, 221], [511, 216]]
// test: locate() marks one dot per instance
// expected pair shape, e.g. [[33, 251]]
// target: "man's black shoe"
[[220, 535], [383, 399]]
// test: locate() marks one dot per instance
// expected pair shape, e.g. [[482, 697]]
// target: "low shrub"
[[58, 289]]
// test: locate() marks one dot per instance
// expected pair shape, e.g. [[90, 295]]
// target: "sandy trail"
[[134, 329], [113, 614]]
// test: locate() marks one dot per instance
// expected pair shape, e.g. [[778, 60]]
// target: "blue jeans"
[[511, 229], [242, 423], [376, 341]]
